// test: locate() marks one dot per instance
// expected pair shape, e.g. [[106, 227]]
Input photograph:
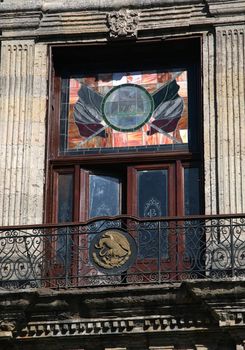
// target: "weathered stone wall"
[[224, 119], [179, 316], [22, 132], [209, 123], [24, 89], [230, 90]]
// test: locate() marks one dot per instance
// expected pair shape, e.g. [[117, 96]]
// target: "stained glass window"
[[126, 111]]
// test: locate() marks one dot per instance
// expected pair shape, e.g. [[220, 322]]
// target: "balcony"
[[123, 251]]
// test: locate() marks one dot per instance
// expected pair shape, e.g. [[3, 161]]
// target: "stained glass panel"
[[124, 111]]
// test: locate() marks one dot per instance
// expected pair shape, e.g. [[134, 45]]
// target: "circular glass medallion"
[[127, 107], [112, 251]]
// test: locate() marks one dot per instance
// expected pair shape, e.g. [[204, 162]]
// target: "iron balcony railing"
[[122, 250]]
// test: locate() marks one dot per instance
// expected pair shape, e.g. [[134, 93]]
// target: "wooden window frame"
[[57, 162]]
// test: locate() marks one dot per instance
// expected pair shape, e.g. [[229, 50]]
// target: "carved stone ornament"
[[123, 23]]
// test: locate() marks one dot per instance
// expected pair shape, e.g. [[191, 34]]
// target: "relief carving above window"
[[123, 23]]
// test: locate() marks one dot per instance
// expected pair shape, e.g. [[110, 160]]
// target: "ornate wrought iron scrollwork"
[[122, 250]]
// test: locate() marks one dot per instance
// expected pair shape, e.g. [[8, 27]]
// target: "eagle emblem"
[[111, 250]]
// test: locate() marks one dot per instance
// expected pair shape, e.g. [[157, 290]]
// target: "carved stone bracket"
[[78, 327], [7, 326], [123, 23], [6, 331]]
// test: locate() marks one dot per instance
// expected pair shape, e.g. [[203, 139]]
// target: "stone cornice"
[[96, 5], [86, 20], [227, 310], [226, 7], [17, 20], [203, 307], [95, 327]]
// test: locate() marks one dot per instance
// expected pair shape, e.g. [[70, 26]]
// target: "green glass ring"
[[127, 107]]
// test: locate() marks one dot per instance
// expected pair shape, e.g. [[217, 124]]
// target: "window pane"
[[65, 197], [65, 214], [193, 233], [104, 195], [153, 202], [191, 192], [152, 193]]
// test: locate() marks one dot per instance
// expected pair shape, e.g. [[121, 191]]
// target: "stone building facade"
[[37, 37]]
